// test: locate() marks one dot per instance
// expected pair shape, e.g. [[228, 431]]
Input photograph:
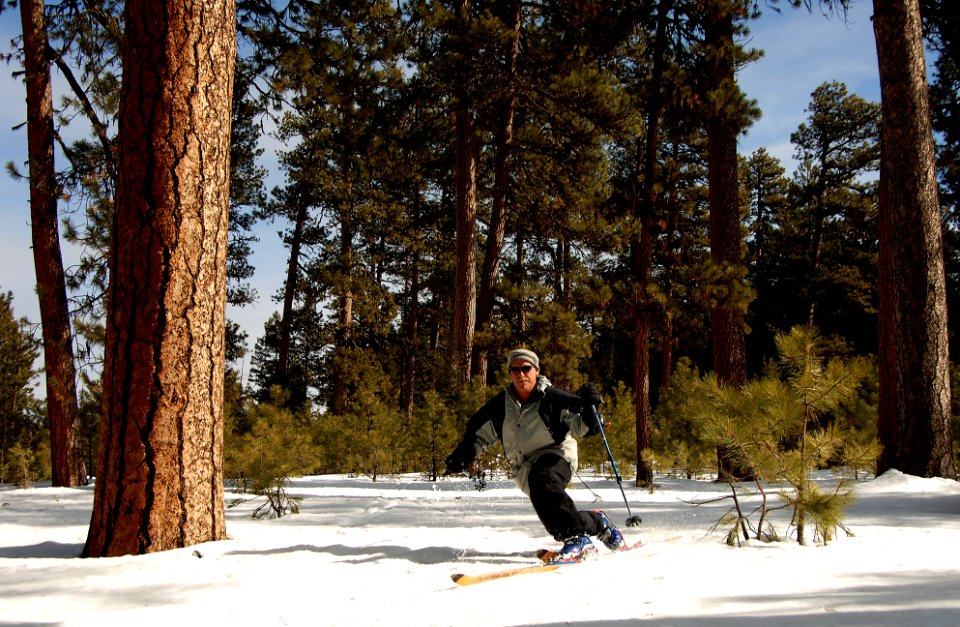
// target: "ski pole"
[[632, 521]]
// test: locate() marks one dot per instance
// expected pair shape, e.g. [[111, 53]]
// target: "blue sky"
[[802, 51]]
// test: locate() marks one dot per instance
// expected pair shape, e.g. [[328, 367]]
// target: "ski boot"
[[609, 534], [575, 549]]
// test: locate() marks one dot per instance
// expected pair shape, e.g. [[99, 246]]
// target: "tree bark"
[[521, 271], [645, 211], [465, 282], [411, 324], [62, 412], [643, 264], [501, 184], [290, 291], [727, 318], [344, 336], [159, 481], [914, 423]]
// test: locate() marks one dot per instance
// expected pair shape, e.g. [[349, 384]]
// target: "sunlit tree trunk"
[[465, 282], [65, 448], [160, 477], [914, 423]]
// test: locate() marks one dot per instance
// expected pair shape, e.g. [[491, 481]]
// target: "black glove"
[[590, 395], [459, 459]]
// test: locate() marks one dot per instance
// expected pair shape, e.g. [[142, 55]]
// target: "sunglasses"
[[519, 369]]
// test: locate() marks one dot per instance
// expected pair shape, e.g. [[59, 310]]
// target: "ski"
[[549, 556], [462, 579]]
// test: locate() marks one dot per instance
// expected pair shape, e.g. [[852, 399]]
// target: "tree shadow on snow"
[[52, 550], [931, 618], [376, 553]]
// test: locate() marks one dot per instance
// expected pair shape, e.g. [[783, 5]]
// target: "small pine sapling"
[[772, 426], [277, 447]]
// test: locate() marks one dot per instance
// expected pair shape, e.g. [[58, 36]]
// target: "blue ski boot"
[[609, 534], [575, 549]]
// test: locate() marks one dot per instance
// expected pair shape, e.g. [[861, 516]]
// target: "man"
[[536, 422]]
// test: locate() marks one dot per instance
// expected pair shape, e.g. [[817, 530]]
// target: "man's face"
[[524, 375]]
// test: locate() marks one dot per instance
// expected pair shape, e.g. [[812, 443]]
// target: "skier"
[[535, 421]]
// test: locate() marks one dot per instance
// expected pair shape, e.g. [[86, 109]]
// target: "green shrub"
[[277, 446], [779, 428]]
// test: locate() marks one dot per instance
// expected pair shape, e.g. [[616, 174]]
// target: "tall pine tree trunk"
[[290, 292], [160, 475], [411, 324], [501, 183], [465, 282], [914, 424], [65, 447], [521, 271], [645, 212], [643, 264], [671, 256], [727, 318]]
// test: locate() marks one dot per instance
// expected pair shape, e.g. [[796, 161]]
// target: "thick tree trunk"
[[914, 424], [159, 481], [62, 412]]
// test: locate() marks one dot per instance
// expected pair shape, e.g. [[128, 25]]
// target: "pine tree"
[[941, 30], [820, 255], [767, 187], [334, 195], [159, 482], [679, 447], [18, 351], [275, 445], [434, 432], [247, 196], [779, 427], [914, 348], [84, 45], [726, 112], [836, 151], [61, 378]]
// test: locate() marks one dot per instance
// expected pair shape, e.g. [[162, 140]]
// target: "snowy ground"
[[363, 553]]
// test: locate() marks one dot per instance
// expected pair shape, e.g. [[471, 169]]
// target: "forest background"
[[353, 371]]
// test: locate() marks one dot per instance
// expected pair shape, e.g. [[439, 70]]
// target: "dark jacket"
[[544, 424]]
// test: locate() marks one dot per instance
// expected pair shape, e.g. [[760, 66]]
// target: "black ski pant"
[[547, 482]]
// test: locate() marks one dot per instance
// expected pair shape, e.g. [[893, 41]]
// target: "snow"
[[381, 553]]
